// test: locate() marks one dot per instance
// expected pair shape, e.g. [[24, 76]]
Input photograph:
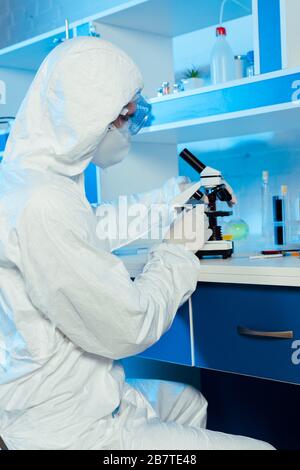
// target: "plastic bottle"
[[240, 62], [266, 222], [222, 59], [250, 67]]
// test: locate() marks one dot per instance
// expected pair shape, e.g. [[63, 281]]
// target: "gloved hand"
[[191, 229], [234, 200], [188, 190]]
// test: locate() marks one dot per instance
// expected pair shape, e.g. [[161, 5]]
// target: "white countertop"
[[237, 270]]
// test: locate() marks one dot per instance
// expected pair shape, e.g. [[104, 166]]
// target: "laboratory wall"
[[290, 11], [153, 54], [20, 20], [147, 167]]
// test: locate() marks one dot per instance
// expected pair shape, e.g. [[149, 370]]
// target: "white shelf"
[[277, 119], [253, 106]]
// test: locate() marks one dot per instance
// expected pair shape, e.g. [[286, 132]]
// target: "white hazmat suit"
[[68, 308]]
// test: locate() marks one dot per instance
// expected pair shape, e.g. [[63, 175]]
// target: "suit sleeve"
[[145, 201], [87, 292]]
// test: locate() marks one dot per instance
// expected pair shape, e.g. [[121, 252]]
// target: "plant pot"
[[192, 83]]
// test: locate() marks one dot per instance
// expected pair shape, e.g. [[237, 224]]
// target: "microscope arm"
[[210, 178]]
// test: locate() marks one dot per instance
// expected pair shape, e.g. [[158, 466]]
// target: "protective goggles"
[[142, 115]]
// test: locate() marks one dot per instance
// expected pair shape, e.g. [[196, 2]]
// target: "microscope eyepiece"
[[193, 161]]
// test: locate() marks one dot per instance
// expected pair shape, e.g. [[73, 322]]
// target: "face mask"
[[113, 148]]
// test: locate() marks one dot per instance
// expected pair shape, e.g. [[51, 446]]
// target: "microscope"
[[213, 187]]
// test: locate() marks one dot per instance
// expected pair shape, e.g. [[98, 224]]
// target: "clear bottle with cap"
[[296, 225], [282, 219], [266, 220], [287, 213], [240, 62], [222, 59]]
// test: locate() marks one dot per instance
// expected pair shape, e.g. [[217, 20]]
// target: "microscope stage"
[[219, 248]]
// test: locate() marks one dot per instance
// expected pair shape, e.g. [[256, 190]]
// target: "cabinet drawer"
[[175, 345], [231, 327]]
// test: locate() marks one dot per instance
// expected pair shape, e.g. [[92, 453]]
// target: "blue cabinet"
[[175, 345], [221, 309]]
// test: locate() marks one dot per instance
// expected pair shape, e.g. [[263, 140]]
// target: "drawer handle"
[[265, 334]]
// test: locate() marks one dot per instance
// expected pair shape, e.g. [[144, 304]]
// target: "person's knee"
[[194, 406], [264, 446], [196, 397], [247, 443]]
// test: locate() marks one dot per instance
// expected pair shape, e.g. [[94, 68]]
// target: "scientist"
[[68, 306]]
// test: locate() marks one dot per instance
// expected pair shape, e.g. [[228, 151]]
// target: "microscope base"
[[224, 249]]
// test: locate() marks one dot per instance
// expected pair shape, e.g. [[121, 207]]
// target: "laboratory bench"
[[244, 318], [240, 269]]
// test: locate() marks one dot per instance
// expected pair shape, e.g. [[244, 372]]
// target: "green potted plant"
[[192, 78]]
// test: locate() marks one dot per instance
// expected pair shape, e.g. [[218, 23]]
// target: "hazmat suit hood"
[[79, 90]]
